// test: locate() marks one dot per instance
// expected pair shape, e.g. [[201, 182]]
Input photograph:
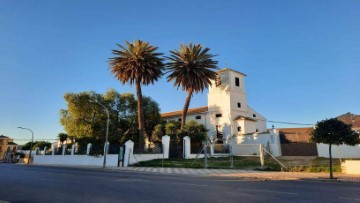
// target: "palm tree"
[[62, 137], [138, 63], [191, 67]]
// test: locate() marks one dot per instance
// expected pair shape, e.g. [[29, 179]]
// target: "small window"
[[239, 105], [179, 119], [237, 81], [254, 115], [198, 117], [239, 129], [218, 115], [218, 81]]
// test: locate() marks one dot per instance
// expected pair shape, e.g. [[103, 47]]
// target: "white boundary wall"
[[76, 160], [338, 151], [111, 159], [271, 139]]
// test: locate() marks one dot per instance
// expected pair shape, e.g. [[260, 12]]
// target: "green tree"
[[196, 131], [62, 137], [138, 64], [42, 144], [157, 133], [191, 67], [334, 132], [86, 120], [172, 128]]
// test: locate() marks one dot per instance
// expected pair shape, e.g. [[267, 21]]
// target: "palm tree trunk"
[[185, 109], [331, 171], [141, 122]]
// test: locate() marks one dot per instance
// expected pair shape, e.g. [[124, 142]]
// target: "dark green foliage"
[[86, 121], [197, 132], [335, 132], [138, 63], [62, 137], [39, 144], [172, 128], [191, 67], [158, 132]]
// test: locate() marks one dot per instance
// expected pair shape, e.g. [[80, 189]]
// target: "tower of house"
[[228, 109]]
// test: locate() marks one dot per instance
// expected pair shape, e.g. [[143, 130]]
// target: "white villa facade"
[[227, 114]]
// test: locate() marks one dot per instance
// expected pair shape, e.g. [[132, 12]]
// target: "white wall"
[[351, 167], [76, 160], [271, 140], [341, 151]]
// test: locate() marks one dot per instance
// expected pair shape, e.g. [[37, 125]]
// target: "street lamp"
[[32, 140], [107, 131]]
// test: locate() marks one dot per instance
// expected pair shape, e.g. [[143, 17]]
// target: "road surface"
[[24, 183]]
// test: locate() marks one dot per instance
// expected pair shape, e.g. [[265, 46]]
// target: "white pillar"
[[53, 149], [36, 151], [187, 147], [129, 147], [88, 149], [107, 144], [212, 152], [63, 149], [45, 148], [72, 149], [166, 146], [261, 153]]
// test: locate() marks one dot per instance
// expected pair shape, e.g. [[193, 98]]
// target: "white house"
[[227, 113]]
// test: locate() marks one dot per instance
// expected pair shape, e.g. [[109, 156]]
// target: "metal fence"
[[155, 148]]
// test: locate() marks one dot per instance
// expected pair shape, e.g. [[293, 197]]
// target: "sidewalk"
[[265, 175]]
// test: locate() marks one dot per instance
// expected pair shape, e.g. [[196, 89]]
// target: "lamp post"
[[32, 140], [107, 131]]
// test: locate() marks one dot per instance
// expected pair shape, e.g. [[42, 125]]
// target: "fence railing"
[[149, 149]]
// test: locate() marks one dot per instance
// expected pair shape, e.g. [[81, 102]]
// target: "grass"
[[251, 163]]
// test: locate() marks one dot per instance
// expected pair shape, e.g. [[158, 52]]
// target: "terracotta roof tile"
[[294, 135], [350, 118], [190, 111]]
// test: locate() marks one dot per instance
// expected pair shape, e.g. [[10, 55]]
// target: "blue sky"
[[302, 58]]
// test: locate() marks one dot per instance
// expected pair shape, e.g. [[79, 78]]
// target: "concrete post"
[[45, 148], [53, 149], [108, 144], [187, 147], [261, 153], [88, 149], [63, 149], [36, 151], [72, 149], [211, 149], [166, 146], [129, 147]]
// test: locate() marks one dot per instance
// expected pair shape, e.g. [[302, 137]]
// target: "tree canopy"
[[334, 132], [138, 63], [85, 120], [192, 68]]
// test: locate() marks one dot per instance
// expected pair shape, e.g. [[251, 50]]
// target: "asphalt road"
[[22, 183]]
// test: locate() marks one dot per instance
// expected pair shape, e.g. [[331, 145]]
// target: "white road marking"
[[269, 191]]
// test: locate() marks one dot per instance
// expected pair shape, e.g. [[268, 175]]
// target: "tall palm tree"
[[191, 67], [138, 63]]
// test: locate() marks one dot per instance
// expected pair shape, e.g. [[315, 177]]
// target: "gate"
[[299, 149], [176, 148]]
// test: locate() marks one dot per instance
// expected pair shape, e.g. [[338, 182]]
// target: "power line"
[[284, 122]]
